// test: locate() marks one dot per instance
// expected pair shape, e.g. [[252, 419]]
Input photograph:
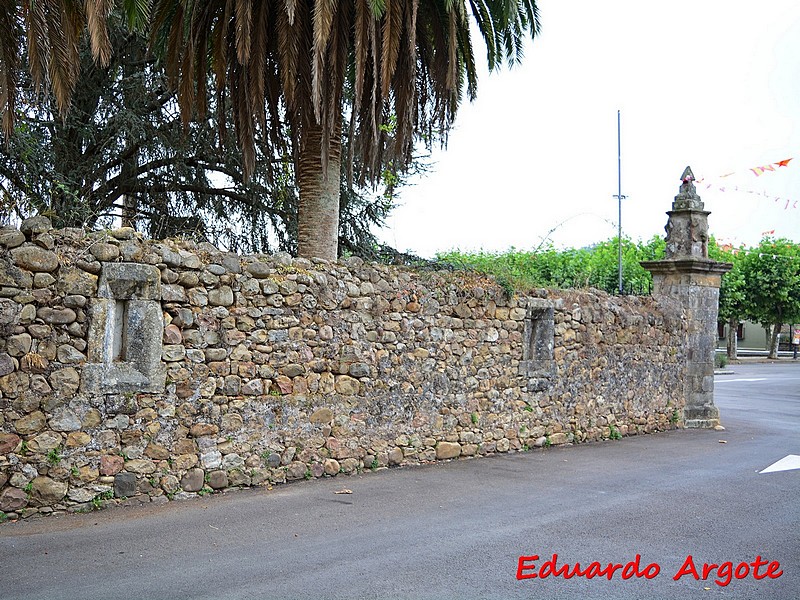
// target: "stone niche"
[[537, 362], [125, 332]]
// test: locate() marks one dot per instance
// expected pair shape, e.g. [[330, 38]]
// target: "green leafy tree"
[[603, 264], [302, 76], [771, 274], [732, 293]]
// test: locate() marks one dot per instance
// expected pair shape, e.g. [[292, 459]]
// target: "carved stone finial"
[[687, 194]]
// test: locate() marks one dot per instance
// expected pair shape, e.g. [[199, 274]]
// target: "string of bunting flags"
[[757, 172]]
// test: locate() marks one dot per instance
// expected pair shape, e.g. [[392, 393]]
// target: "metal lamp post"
[[619, 198]]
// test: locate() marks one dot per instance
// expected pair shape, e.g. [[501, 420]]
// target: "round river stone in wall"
[[34, 258], [103, 251], [11, 238]]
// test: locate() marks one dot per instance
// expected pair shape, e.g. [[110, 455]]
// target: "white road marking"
[[742, 379], [788, 463]]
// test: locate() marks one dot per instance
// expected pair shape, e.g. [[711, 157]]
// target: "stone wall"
[[154, 370]]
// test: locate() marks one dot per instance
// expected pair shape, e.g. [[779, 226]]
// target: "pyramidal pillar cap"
[[687, 198]]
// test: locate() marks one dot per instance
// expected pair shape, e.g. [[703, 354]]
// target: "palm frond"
[[288, 51], [244, 28], [64, 25], [35, 15], [137, 13], [257, 66], [361, 44], [97, 13], [10, 31], [323, 14], [390, 49]]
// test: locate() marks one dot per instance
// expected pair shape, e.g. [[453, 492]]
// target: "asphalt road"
[[458, 530]]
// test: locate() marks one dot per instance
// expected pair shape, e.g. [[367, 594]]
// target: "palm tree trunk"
[[773, 341], [733, 331], [318, 210]]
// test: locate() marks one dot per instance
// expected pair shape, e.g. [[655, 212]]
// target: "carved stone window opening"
[[125, 332], [537, 362]]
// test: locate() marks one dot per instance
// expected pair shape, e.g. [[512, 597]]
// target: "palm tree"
[[382, 72]]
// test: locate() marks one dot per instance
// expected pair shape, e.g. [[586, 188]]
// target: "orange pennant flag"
[[783, 163]]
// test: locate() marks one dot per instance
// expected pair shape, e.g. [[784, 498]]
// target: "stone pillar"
[[688, 275]]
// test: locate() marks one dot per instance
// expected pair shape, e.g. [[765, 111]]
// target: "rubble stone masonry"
[[152, 370]]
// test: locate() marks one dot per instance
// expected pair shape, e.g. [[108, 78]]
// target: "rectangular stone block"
[[130, 281], [122, 378]]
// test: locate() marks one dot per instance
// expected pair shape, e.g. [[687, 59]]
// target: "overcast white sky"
[[714, 84]]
